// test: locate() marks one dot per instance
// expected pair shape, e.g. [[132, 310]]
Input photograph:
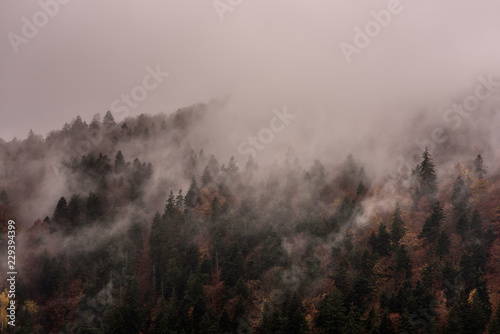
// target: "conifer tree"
[[208, 325], [119, 162], [179, 200], [443, 244], [232, 167], [206, 178], [213, 165], [296, 322], [61, 211], [476, 314], [131, 308], [193, 195], [403, 262], [479, 167], [361, 189], [462, 225], [430, 231], [406, 324], [383, 241], [114, 322], [332, 313], [428, 179], [398, 228], [94, 207], [78, 125], [460, 197], [170, 207], [108, 121], [477, 224], [352, 323], [225, 324], [385, 326], [74, 210], [96, 122]]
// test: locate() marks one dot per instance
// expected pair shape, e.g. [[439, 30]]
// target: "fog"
[[261, 56], [251, 62]]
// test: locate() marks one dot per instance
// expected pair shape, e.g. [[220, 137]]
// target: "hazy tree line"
[[251, 249]]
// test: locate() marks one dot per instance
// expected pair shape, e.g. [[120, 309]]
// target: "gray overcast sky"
[[283, 51]]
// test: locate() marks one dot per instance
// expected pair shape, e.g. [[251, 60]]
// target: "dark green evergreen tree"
[[398, 227], [114, 322], [454, 323], [341, 279], [61, 211], [383, 244], [225, 324], [403, 262], [94, 208], [428, 179], [463, 226], [430, 230], [477, 225], [296, 322], [352, 323], [75, 211], [215, 209], [332, 312], [477, 314], [171, 207], [443, 244], [385, 326], [193, 195], [179, 200], [131, 309], [233, 266], [208, 324], [119, 163], [468, 271], [161, 320], [479, 257], [406, 322], [53, 275], [271, 322]]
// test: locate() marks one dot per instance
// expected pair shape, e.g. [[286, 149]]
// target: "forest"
[[132, 226]]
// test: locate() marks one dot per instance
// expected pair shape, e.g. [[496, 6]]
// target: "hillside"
[[136, 226]]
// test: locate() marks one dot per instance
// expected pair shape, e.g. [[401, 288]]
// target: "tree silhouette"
[[479, 167], [428, 179], [108, 121]]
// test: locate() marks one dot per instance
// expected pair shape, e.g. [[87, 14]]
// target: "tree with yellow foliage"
[[4, 302]]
